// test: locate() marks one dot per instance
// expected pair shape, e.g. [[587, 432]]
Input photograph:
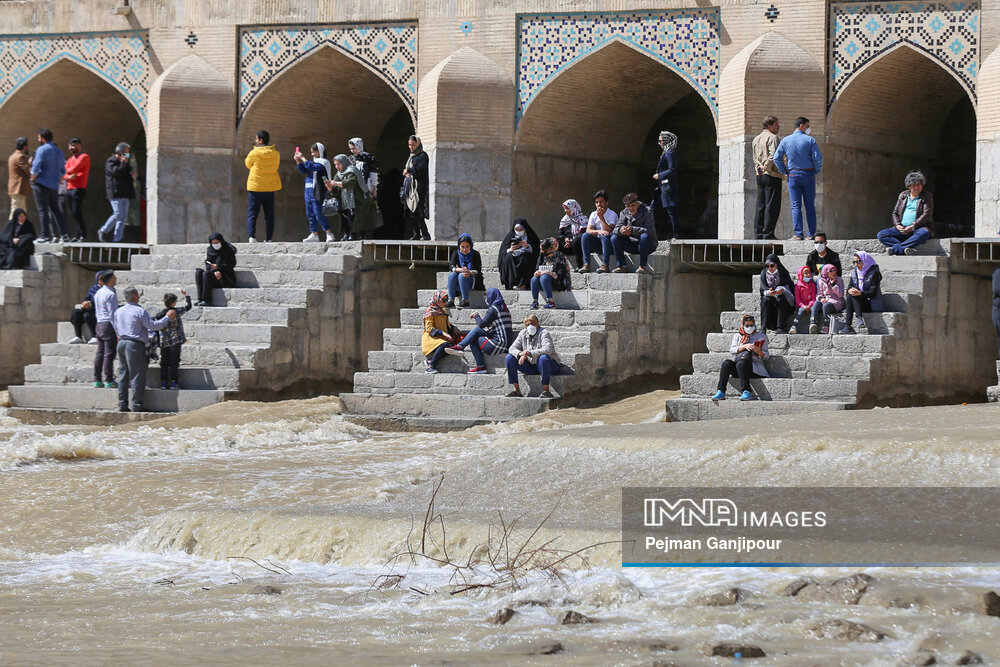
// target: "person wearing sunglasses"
[[749, 350], [864, 289], [777, 295]]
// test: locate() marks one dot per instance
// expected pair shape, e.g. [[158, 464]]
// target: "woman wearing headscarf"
[[466, 271], [416, 189], [864, 289], [317, 172], [777, 295], [553, 272], [439, 332], [829, 298], [17, 241], [805, 297], [364, 161], [749, 350], [533, 353], [666, 193], [518, 256], [357, 209], [571, 229], [219, 269], [492, 334]]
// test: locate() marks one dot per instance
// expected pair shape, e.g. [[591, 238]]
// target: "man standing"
[[133, 325], [19, 176], [262, 182], [768, 180], [799, 158], [105, 305], [77, 174], [120, 190], [47, 170]]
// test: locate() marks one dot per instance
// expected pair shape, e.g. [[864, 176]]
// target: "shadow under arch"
[[330, 98], [904, 111], [72, 100], [595, 126]]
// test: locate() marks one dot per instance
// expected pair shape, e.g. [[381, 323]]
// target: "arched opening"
[[902, 112], [73, 101], [326, 97], [596, 125]]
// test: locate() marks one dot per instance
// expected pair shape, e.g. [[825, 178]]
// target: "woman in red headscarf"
[[439, 332]]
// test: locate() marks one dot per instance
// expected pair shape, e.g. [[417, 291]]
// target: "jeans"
[[627, 244], [119, 212], [255, 202], [542, 282], [801, 321], [590, 245], [545, 367], [768, 205], [459, 284], [170, 363], [802, 191], [104, 358], [314, 214], [79, 317], [437, 354], [49, 215], [478, 343], [75, 198], [743, 369], [898, 241], [131, 370], [823, 311]]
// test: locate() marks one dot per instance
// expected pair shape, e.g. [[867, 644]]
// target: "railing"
[[977, 250], [98, 256], [735, 255], [411, 253]]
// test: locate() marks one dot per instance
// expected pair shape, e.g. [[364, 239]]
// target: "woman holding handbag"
[[415, 190], [357, 208]]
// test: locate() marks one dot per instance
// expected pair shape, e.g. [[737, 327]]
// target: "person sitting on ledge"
[[777, 296], [598, 233], [533, 353], [553, 273], [439, 332], [805, 297], [219, 269], [912, 218], [864, 289], [466, 271], [635, 233], [571, 229], [518, 256], [749, 350], [822, 255], [17, 241], [829, 298], [83, 313], [491, 335]]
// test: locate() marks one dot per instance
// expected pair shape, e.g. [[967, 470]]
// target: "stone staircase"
[[597, 332], [820, 372], [28, 312], [276, 327]]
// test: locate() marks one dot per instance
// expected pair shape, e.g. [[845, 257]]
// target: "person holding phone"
[[552, 273], [466, 271], [518, 256]]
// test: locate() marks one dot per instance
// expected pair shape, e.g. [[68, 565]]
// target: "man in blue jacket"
[[47, 171], [799, 158]]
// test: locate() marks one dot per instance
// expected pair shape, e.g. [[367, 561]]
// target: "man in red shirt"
[[77, 173]]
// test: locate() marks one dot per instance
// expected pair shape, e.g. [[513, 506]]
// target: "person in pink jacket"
[[829, 298], [805, 297]]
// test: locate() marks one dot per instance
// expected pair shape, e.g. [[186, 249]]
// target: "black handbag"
[[331, 206]]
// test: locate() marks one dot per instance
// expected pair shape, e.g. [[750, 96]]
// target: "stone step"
[[881, 323], [896, 283], [933, 246], [232, 333], [574, 299], [413, 360], [494, 408], [189, 377], [21, 278], [335, 261], [193, 354], [398, 339], [599, 281], [176, 278], [70, 397], [461, 382], [244, 249], [152, 296], [103, 417], [776, 389], [812, 344], [887, 264], [749, 302], [699, 409], [796, 366], [550, 318]]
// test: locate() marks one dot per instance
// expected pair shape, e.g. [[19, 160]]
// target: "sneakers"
[[824, 329], [101, 236], [464, 304], [603, 268], [98, 385], [65, 238], [534, 305], [797, 238], [890, 250], [92, 341], [164, 385], [620, 269], [330, 238], [312, 238], [779, 330], [454, 350], [644, 269], [76, 340], [584, 269], [514, 393], [549, 304], [124, 408], [746, 396], [175, 385], [910, 251], [813, 328], [111, 385], [430, 369], [251, 240], [848, 330], [719, 395], [546, 394], [479, 370]]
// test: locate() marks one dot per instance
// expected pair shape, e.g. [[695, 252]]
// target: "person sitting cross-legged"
[[635, 233], [491, 335], [749, 350], [533, 353]]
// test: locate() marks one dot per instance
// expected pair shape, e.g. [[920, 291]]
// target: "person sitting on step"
[[571, 229], [805, 297], [17, 241], [597, 236], [491, 335], [219, 269], [912, 218], [466, 271], [518, 256], [533, 353], [777, 295], [170, 339], [749, 350], [864, 289], [635, 233], [822, 255], [829, 299], [439, 332], [83, 313], [553, 272]]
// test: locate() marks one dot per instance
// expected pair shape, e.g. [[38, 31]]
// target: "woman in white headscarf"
[[364, 161], [665, 197], [317, 171], [571, 229], [357, 208]]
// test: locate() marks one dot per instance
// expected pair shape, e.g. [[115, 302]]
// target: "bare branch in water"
[[258, 564]]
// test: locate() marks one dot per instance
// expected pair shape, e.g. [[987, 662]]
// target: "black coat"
[[665, 195], [118, 179], [517, 271], [17, 256], [419, 167], [831, 258], [225, 259]]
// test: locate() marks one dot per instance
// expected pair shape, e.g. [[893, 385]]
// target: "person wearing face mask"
[[829, 298], [805, 298], [518, 256], [749, 350], [777, 296], [533, 353], [822, 255], [219, 269], [864, 289], [119, 187], [798, 157], [552, 273], [317, 171]]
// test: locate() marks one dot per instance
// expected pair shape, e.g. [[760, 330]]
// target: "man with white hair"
[[912, 218], [133, 325]]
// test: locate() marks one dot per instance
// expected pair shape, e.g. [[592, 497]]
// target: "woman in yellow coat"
[[439, 332]]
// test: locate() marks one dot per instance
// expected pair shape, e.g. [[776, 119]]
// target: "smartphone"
[[298, 150]]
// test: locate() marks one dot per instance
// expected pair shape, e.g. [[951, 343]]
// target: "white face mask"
[[809, 130], [820, 247], [749, 328], [532, 329], [520, 234], [216, 245], [772, 271]]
